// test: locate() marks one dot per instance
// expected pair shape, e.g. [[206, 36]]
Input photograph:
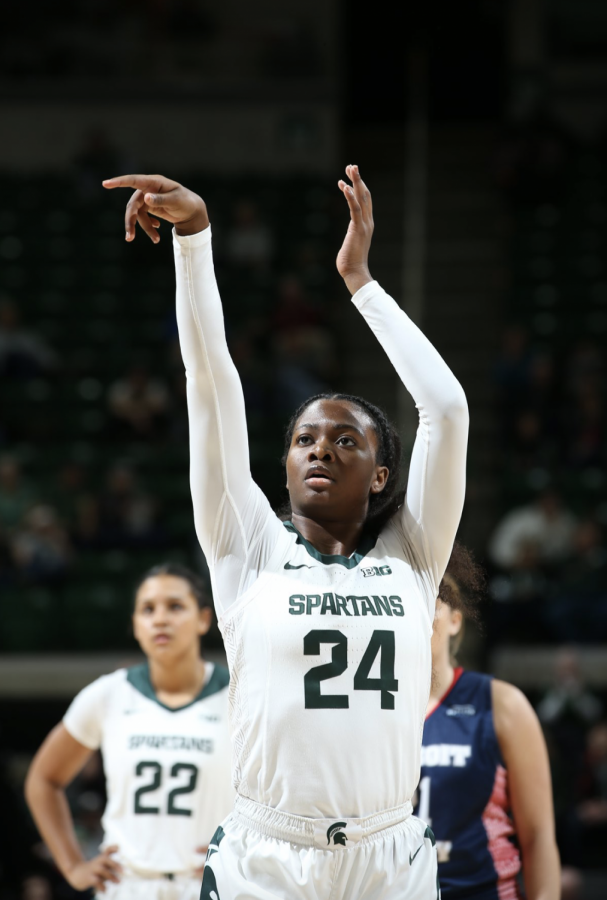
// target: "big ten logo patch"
[[376, 570]]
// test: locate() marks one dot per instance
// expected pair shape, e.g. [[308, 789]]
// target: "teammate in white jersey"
[[327, 617], [162, 730]]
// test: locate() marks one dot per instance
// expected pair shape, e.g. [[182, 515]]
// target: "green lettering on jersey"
[[367, 607], [383, 605], [397, 606], [341, 604], [328, 605], [296, 605], [312, 601], [354, 601]]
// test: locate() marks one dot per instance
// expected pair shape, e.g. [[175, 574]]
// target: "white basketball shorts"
[[260, 853], [133, 887]]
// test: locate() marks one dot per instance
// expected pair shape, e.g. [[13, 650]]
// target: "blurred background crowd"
[[484, 142]]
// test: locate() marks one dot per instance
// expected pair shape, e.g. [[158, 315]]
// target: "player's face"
[[167, 621], [447, 624], [331, 464]]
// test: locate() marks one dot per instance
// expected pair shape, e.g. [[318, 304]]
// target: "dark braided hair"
[[463, 584], [194, 581], [382, 506]]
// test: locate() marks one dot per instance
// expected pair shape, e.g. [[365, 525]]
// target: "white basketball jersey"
[[329, 656], [330, 664], [167, 770]]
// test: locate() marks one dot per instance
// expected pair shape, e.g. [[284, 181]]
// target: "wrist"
[[357, 278], [194, 224], [67, 868]]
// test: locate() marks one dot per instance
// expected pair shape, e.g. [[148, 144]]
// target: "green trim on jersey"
[[139, 677], [349, 562]]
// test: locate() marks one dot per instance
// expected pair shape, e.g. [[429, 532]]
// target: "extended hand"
[[353, 258], [157, 196], [93, 873]]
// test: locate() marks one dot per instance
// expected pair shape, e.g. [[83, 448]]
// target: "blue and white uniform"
[[329, 656], [463, 795]]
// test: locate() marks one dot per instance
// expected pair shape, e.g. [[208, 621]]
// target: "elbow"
[[29, 788], [455, 411]]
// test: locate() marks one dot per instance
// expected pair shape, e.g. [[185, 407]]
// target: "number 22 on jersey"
[[382, 643], [155, 774]]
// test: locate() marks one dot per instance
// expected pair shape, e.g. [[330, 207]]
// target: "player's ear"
[[379, 482], [205, 619], [456, 621]]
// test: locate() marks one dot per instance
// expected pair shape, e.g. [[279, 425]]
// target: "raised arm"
[[228, 507], [437, 474]]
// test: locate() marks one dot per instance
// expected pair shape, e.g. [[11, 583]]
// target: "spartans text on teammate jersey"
[[352, 605], [170, 742]]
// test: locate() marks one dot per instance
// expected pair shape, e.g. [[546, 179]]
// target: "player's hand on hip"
[[199, 870], [155, 198], [353, 258], [93, 873]]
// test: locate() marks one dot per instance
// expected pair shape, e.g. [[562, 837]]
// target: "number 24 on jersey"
[[382, 642]]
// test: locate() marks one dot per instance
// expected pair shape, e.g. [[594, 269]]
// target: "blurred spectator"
[[585, 429], [86, 527], [15, 496], [593, 783], [301, 357], [584, 368], [572, 884], [512, 372], [249, 242], [41, 547], [69, 487], [568, 708], [138, 403], [528, 446], [36, 887], [578, 609], [253, 371], [128, 517], [23, 354], [293, 309], [584, 830], [545, 524], [303, 346]]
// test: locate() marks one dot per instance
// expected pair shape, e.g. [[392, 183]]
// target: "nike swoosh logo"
[[411, 858], [302, 566]]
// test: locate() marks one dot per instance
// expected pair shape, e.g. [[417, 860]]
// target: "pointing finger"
[[140, 182]]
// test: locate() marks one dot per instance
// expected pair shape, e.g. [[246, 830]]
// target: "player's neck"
[[179, 681], [442, 679], [329, 538]]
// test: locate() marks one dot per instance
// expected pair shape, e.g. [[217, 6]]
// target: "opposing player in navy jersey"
[[162, 730], [485, 786], [326, 618]]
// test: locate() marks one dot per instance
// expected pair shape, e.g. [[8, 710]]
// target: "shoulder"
[[88, 711], [513, 714], [105, 685]]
